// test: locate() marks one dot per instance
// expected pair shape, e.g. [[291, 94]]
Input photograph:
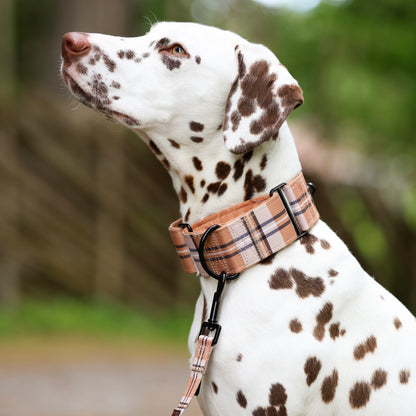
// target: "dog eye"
[[177, 50]]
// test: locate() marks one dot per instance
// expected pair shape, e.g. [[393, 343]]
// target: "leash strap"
[[199, 365], [249, 232]]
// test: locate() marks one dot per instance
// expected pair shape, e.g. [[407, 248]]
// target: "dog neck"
[[212, 179]]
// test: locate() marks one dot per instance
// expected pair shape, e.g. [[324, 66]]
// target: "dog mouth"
[[98, 99]]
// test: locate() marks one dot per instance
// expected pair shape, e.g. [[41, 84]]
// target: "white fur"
[[255, 319]]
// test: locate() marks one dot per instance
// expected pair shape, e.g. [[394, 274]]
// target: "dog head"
[[184, 80]]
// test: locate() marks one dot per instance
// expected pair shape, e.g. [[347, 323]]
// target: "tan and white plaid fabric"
[[199, 366], [249, 232]]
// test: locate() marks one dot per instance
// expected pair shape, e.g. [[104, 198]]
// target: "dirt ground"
[[74, 377]]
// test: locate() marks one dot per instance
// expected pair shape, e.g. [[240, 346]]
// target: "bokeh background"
[[94, 306]]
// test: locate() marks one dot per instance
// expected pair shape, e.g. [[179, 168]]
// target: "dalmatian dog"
[[306, 331]]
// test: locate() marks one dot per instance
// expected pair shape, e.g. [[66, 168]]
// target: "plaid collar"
[[246, 233]]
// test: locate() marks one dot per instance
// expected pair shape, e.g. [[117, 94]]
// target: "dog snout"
[[75, 45]]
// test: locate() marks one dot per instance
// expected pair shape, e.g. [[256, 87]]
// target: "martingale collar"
[[246, 233]]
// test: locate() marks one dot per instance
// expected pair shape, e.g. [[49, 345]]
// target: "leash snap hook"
[[212, 323]]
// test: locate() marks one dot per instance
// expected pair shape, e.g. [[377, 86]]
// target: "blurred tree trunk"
[[9, 253]]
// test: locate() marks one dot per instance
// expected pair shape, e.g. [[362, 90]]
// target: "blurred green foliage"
[[75, 317]]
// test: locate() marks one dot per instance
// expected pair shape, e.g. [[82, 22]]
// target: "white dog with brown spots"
[[306, 332]]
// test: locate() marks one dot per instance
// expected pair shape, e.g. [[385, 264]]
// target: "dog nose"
[[75, 45]]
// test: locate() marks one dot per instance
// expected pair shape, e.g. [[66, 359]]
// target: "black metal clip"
[[202, 256], [185, 225], [279, 190], [212, 324]]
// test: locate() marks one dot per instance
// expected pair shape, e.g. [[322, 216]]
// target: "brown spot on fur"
[[280, 279], [228, 103], [404, 376], [241, 399], [174, 144], [116, 84], [257, 84], [239, 357], [247, 156], [312, 368], [238, 169], [189, 180], [121, 54], [162, 42], [130, 54], [253, 184], [325, 245], [246, 106], [222, 170], [202, 183], [197, 163], [332, 273], [154, 147], [195, 126], [187, 215], [115, 97], [183, 196], [367, 346], [260, 411], [256, 127], [295, 326], [263, 162], [171, 63], [205, 198], [166, 163], [235, 120], [222, 189], [291, 96], [214, 387], [241, 65], [397, 323], [306, 285], [308, 241], [82, 69], [259, 183], [109, 63], [329, 386], [323, 317], [197, 139], [334, 331], [198, 59], [213, 187], [277, 395], [379, 379], [360, 395]]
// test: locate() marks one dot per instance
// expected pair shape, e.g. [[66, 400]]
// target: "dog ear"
[[261, 97]]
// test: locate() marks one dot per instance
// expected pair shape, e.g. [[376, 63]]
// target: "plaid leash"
[[248, 232], [199, 366]]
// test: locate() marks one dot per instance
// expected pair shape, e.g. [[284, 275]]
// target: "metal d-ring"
[[202, 256]]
